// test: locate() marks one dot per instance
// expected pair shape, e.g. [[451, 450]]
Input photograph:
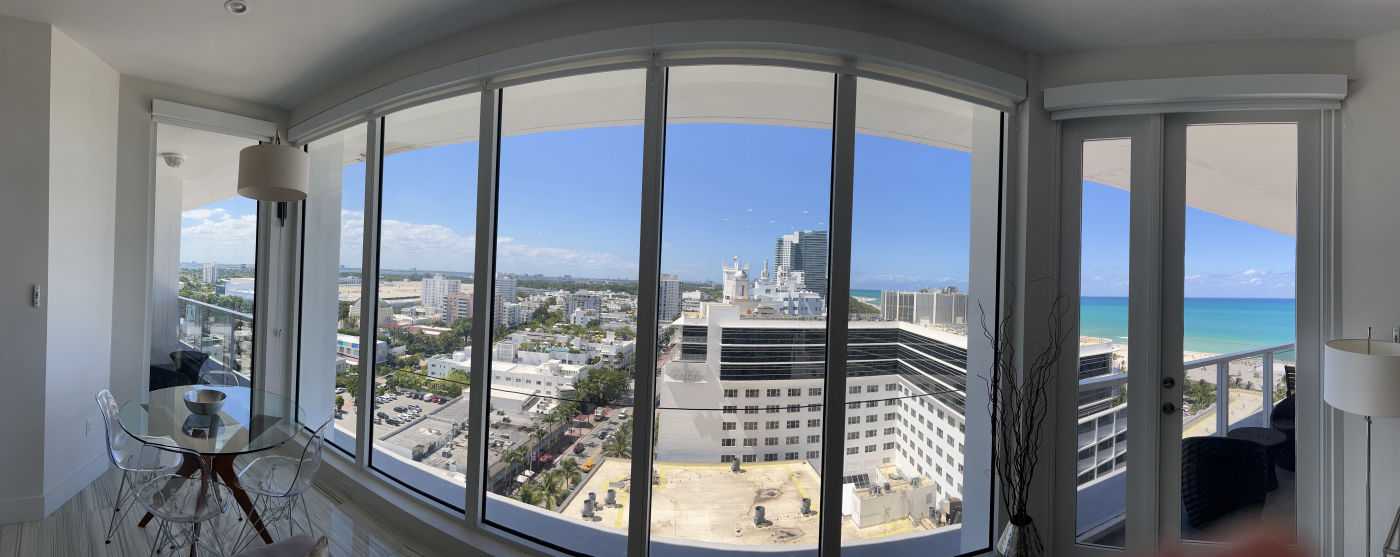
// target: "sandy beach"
[[1248, 370]]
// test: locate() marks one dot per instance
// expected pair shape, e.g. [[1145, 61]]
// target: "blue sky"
[[1225, 258], [569, 203]]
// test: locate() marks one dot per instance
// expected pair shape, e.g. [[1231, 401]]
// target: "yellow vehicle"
[[587, 466]]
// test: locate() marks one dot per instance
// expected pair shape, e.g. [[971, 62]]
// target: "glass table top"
[[249, 420]]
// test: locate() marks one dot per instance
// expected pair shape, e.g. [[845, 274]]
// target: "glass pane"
[[564, 309], [1102, 438], [1241, 192], [331, 284], [906, 418], [748, 162], [203, 290], [421, 354]]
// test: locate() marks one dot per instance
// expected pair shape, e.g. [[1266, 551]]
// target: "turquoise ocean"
[[1213, 325]]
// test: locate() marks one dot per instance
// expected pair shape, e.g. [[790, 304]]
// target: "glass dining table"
[[249, 421]]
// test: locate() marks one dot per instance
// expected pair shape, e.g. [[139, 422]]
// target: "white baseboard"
[[75, 482], [21, 509]]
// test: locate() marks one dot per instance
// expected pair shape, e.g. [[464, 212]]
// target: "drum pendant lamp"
[[273, 172]]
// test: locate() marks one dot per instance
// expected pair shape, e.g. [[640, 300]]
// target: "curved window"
[[737, 382], [427, 217]]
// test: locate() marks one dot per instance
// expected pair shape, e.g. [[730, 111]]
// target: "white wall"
[[82, 180], [1367, 199], [24, 175], [165, 264]]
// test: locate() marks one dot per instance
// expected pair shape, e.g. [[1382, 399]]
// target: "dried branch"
[[1019, 402]]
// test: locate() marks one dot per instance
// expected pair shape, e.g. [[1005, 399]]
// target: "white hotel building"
[[905, 402]]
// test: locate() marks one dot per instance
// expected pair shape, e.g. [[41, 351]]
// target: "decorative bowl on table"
[[204, 402]]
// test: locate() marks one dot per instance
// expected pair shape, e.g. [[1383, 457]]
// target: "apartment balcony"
[[225, 335], [1246, 380]]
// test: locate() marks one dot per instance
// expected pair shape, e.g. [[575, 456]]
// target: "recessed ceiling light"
[[236, 6]]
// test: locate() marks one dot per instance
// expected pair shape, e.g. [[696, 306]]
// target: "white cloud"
[[203, 214], [218, 237], [405, 245]]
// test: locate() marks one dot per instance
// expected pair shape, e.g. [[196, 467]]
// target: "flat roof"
[[705, 502]]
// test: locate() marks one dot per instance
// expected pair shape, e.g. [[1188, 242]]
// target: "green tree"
[[569, 469], [858, 307], [530, 494], [552, 486], [339, 402], [620, 444]]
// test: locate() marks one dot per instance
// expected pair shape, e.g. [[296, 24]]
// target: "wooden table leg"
[[188, 466], [223, 467]]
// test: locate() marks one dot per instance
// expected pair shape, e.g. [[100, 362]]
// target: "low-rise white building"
[[544, 379], [440, 365]]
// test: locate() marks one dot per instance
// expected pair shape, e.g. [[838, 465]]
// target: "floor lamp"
[[1363, 377]]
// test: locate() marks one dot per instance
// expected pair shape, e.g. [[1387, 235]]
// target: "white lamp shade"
[[1363, 383], [273, 172]]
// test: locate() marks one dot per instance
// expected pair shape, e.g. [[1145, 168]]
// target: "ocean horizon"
[[1212, 325]]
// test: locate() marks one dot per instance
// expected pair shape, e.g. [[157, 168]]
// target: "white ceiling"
[[282, 51], [210, 170], [1064, 25], [1243, 172], [278, 53]]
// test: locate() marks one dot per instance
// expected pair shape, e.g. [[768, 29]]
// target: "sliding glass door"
[[1181, 240]]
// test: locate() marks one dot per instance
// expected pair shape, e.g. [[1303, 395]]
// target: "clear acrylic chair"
[[277, 484], [137, 461], [222, 378], [183, 501]]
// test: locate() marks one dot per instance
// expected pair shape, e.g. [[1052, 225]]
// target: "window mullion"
[[648, 286], [483, 285], [837, 312], [369, 291]]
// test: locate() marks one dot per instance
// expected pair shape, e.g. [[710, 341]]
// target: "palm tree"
[[513, 456], [551, 486], [569, 469], [530, 494], [620, 444]]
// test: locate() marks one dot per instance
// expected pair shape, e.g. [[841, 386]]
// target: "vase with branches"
[[1018, 405]]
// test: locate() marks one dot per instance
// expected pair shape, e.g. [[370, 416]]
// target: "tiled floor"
[[77, 528]]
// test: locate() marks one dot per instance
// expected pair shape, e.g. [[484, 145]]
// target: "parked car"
[[578, 448], [383, 415], [587, 466], [400, 409]]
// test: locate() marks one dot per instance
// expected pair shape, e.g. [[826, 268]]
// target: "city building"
[[949, 306], [899, 306], [505, 286], [668, 301], [211, 273], [583, 301], [348, 346], [907, 394], [545, 379], [942, 306], [736, 282], [438, 366], [456, 305], [435, 287]]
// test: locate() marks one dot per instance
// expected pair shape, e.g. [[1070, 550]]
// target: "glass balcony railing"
[[225, 335], [1251, 382], [1233, 390]]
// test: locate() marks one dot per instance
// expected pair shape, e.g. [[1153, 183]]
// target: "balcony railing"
[[1233, 372], [1101, 501], [225, 335]]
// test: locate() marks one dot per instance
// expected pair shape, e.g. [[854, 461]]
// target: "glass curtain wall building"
[[741, 372]]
